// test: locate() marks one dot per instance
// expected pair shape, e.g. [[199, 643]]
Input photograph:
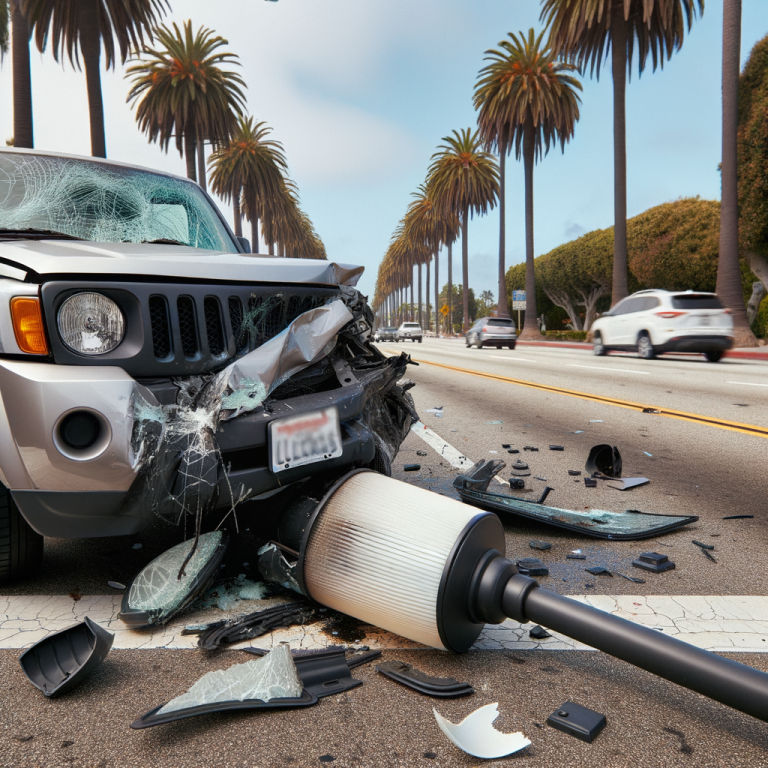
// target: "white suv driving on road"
[[410, 331], [652, 322]]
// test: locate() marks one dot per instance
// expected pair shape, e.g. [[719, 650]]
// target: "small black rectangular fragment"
[[574, 472], [653, 561], [516, 482], [412, 467], [506, 445], [513, 450], [575, 557], [529, 448], [590, 482], [738, 517], [556, 448], [578, 721]]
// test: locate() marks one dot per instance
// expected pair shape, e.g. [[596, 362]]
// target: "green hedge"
[[566, 335]]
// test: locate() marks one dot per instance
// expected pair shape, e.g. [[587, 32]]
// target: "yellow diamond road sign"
[[444, 310]]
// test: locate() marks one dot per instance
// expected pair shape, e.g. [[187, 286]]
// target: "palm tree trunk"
[[282, 249], [465, 263], [437, 291], [22, 78], [728, 267], [619, 61], [255, 234], [189, 155], [201, 163], [237, 214], [90, 46], [429, 319], [450, 288], [421, 306], [271, 249], [501, 308], [531, 328]]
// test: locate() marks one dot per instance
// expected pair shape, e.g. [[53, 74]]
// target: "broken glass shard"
[[273, 676], [622, 526], [157, 593]]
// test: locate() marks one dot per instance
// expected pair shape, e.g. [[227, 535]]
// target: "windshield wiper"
[[47, 234], [164, 241]]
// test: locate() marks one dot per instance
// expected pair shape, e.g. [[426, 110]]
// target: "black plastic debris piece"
[[198, 629], [430, 755], [590, 482], [513, 450], [556, 448], [60, 662], [421, 453], [325, 672], [543, 479], [517, 483], [653, 561], [326, 758], [604, 459], [631, 578], [412, 467], [538, 633], [708, 555], [259, 623], [574, 472], [439, 687], [519, 464], [738, 517], [541, 545], [532, 566], [506, 445], [651, 410], [575, 557], [702, 544], [598, 570], [578, 721], [530, 448]]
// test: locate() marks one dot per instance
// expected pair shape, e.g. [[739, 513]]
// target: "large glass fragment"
[[157, 593], [621, 526], [273, 676]]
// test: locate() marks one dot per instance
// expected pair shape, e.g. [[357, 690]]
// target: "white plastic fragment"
[[476, 735]]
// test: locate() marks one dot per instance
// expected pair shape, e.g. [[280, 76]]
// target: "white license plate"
[[704, 320], [305, 439]]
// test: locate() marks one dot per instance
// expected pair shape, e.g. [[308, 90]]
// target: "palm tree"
[[18, 34], [583, 31], [183, 92], [81, 27], [527, 100], [728, 266], [248, 170], [463, 179]]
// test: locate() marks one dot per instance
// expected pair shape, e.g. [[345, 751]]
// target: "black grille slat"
[[213, 326], [161, 327], [236, 320], [187, 326]]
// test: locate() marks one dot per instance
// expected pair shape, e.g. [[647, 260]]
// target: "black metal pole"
[[718, 678]]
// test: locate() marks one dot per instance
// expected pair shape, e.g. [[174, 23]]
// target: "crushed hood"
[[72, 257]]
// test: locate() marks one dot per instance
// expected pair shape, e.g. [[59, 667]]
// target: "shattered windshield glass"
[[273, 676], [106, 203]]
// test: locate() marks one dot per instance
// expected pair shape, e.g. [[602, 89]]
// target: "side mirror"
[[245, 244]]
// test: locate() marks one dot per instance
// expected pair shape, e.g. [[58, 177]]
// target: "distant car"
[[653, 322], [410, 332], [492, 332], [387, 334]]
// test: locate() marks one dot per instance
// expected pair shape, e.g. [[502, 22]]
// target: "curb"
[[741, 354]]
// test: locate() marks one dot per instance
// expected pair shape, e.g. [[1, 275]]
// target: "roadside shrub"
[[566, 335]]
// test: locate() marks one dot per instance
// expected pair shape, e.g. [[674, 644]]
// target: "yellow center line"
[[696, 418]]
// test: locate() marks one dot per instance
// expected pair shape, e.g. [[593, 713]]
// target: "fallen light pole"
[[431, 569]]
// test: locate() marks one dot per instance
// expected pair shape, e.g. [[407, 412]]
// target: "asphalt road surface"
[[705, 454]]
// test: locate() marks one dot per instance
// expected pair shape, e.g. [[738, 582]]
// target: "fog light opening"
[[82, 434]]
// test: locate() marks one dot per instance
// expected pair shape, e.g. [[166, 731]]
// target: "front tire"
[[21, 548], [419, 341], [644, 347], [598, 349], [713, 357]]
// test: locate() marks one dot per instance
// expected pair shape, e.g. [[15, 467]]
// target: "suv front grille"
[[184, 329]]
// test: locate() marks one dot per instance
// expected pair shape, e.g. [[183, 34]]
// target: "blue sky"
[[361, 92]]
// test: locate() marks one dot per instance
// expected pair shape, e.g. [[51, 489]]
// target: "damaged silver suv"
[[151, 367]]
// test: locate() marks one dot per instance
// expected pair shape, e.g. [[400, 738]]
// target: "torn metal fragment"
[[62, 660], [157, 593], [472, 488], [578, 721], [532, 566], [598, 570], [538, 633], [259, 623], [415, 679], [541, 545], [476, 735], [631, 578], [268, 682]]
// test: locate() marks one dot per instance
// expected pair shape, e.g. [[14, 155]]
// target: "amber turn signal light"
[[28, 325]]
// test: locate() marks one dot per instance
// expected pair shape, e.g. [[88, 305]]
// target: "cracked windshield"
[[383, 383]]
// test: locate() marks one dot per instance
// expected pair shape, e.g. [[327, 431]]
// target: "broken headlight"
[[91, 323]]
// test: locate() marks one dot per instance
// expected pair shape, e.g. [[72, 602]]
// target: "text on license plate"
[[305, 439]]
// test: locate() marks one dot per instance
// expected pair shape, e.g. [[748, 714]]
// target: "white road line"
[[747, 383], [511, 357], [717, 623], [602, 368]]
